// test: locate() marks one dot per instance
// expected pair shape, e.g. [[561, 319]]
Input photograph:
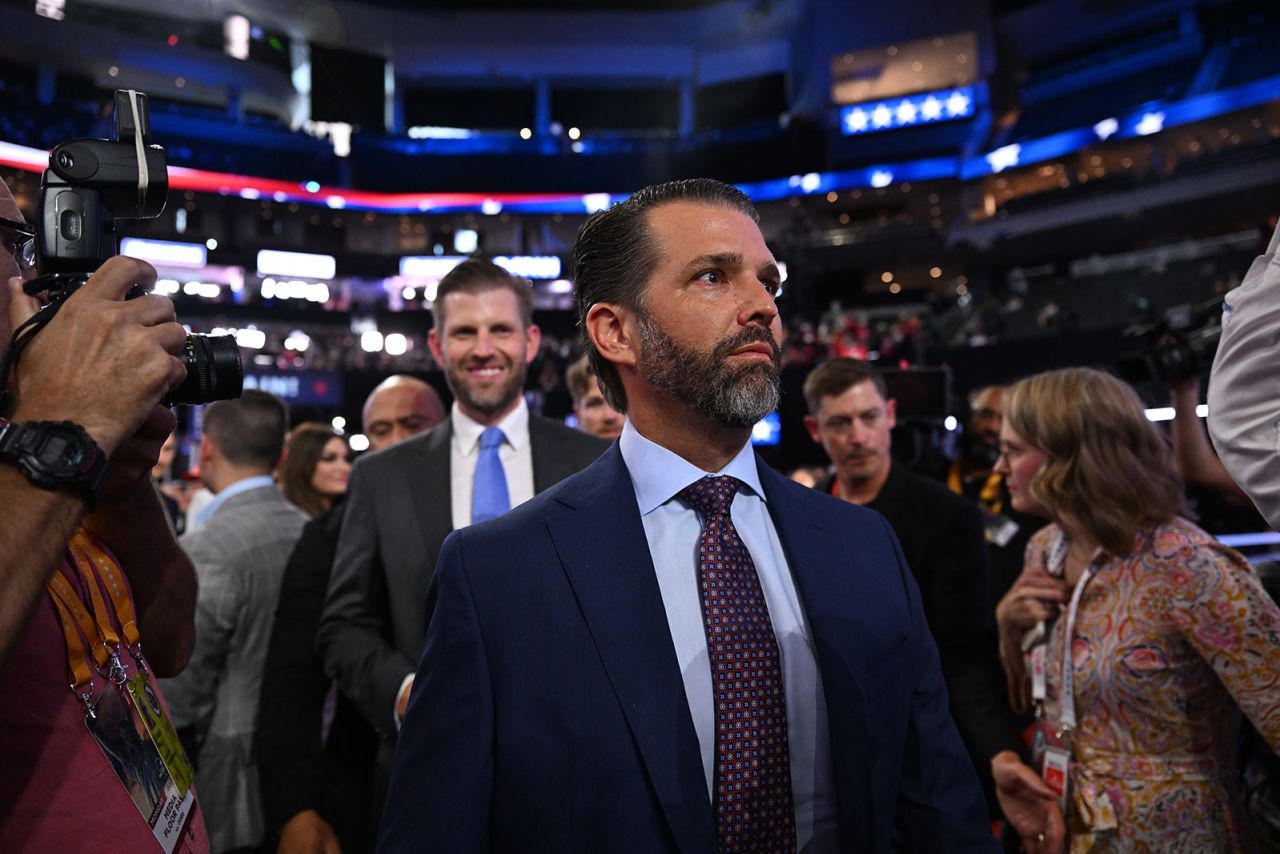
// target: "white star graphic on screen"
[[1106, 128], [881, 116], [958, 104], [931, 108], [810, 182], [881, 178], [1003, 158], [906, 113], [1151, 123], [856, 120]]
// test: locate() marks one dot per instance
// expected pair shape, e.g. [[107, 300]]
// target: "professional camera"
[[89, 185], [1177, 347]]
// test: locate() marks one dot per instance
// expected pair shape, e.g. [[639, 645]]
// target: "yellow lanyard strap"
[[990, 494], [70, 611], [90, 557]]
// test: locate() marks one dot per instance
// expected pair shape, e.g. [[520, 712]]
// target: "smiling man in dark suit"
[[489, 455], [678, 649]]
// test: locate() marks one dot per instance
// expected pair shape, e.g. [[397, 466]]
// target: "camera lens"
[[213, 367]]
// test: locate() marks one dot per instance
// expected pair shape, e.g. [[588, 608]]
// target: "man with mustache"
[[852, 416], [678, 649], [491, 454]]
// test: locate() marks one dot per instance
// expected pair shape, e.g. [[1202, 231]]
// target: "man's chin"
[[489, 404]]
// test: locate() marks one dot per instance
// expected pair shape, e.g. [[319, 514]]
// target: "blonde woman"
[[1138, 638]]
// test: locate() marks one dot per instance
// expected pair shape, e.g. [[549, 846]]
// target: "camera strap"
[[144, 176], [21, 338]]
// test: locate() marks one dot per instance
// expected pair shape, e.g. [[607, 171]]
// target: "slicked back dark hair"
[[249, 431], [836, 376], [615, 255], [477, 275]]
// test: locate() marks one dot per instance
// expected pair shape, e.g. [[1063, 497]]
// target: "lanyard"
[[1068, 698], [71, 612], [990, 494], [78, 626], [89, 555]]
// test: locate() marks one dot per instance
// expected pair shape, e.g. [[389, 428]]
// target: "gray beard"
[[705, 382]]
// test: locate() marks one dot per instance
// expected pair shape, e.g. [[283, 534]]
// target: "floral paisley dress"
[[1170, 644]]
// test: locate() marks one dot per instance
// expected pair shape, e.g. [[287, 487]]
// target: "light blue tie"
[[490, 499]]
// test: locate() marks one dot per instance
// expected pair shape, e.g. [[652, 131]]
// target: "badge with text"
[[119, 730], [162, 733]]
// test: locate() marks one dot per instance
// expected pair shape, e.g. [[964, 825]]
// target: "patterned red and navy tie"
[[754, 809]]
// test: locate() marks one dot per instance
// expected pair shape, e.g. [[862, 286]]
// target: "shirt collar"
[[466, 430], [255, 482], [657, 474]]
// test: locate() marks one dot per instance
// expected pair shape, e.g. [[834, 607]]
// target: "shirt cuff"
[[395, 706]]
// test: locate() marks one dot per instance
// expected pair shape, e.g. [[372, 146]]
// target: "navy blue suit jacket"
[[548, 712]]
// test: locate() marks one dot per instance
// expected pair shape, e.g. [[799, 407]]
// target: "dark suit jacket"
[[549, 713], [944, 544], [399, 510], [297, 771]]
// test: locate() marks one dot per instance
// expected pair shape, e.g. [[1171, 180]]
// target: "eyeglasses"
[[20, 239]]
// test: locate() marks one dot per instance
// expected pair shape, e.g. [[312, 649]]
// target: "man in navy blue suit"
[[677, 649]]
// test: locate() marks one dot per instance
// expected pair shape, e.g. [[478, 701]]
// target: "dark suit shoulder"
[[531, 516], [407, 452], [827, 510], [580, 443]]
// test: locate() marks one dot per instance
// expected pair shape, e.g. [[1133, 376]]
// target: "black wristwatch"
[[55, 455]]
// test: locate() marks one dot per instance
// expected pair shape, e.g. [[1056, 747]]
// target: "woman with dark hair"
[[1138, 637], [315, 469]]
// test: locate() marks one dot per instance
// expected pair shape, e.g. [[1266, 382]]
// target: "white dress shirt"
[[672, 530], [516, 456]]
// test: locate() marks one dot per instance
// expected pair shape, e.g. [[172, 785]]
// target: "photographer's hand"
[[102, 362]]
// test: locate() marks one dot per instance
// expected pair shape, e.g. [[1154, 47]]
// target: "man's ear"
[[532, 341], [433, 344], [206, 449], [612, 334], [811, 424], [891, 412]]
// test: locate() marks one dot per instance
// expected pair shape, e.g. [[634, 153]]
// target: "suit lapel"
[[431, 491], [830, 597], [550, 464], [606, 558]]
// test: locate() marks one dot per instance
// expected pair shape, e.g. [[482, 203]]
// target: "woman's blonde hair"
[[1109, 470]]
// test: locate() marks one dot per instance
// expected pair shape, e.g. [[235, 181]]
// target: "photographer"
[[1244, 386], [71, 565]]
